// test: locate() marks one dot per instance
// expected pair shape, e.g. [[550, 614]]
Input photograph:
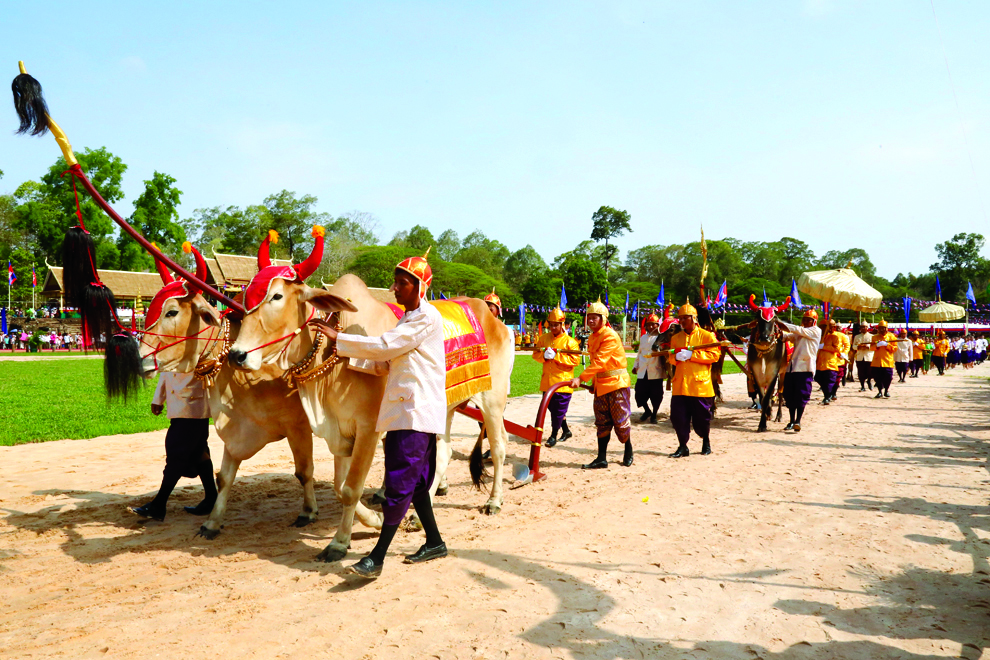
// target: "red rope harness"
[[292, 335], [183, 338]]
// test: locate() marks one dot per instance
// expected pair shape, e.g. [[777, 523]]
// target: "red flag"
[[34, 277]]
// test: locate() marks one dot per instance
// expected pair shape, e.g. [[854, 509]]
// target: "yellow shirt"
[[560, 368], [608, 364], [694, 377], [884, 355], [941, 348], [830, 353], [846, 345], [918, 349]]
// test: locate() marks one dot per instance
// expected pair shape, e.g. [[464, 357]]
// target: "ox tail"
[[477, 465]]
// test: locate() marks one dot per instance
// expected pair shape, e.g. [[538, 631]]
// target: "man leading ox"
[[801, 369]]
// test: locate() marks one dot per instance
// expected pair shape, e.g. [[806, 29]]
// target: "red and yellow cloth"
[[468, 368]]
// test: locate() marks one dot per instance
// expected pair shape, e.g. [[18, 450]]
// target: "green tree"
[[420, 238], [585, 281], [448, 245], [608, 223], [856, 258], [960, 263], [293, 218], [484, 253], [157, 218], [544, 290], [522, 265]]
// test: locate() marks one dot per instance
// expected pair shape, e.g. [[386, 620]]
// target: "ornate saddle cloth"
[[468, 369]]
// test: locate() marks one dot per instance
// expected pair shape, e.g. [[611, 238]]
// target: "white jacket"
[[416, 390], [183, 395], [806, 340], [647, 365], [866, 354], [905, 351]]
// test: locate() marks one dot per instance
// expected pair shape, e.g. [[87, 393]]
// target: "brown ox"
[[342, 404], [249, 410]]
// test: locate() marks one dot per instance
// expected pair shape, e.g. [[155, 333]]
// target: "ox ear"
[[325, 301], [206, 312]]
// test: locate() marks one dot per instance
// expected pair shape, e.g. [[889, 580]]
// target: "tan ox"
[[249, 410], [342, 405]]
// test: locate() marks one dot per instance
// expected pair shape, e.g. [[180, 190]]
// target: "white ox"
[[342, 405]]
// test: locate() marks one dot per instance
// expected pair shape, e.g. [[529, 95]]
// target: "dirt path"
[[866, 535]]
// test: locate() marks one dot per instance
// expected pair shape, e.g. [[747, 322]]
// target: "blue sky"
[[829, 121]]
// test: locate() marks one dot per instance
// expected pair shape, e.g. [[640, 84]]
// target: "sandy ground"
[[866, 535]]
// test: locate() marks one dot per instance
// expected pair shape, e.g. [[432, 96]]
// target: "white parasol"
[[940, 312], [840, 287]]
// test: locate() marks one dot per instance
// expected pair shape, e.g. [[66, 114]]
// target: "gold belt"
[[610, 373]]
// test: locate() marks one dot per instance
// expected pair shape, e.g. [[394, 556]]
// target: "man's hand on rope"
[[325, 328]]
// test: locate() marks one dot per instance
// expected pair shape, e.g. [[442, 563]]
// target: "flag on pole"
[[661, 299], [34, 278], [938, 289], [606, 300], [970, 295], [3, 320], [563, 296], [11, 278], [795, 296], [907, 311], [625, 310], [442, 297], [522, 317], [766, 303], [723, 294], [635, 309]]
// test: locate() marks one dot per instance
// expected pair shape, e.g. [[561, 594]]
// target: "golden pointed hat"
[[687, 309], [556, 316], [810, 313], [420, 269], [597, 308], [653, 318], [494, 299]]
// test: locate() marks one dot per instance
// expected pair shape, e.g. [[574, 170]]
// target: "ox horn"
[[264, 260], [187, 247], [752, 302], [785, 305], [163, 271], [308, 267]]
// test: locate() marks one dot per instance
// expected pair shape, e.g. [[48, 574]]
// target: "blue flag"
[[635, 309], [970, 296], [938, 288], [522, 316], [563, 297], [723, 294], [766, 303], [795, 296], [442, 297], [606, 299], [907, 311], [3, 320], [625, 310], [661, 299]]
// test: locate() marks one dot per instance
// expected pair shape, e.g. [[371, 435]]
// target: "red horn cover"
[[188, 247], [752, 302], [264, 260], [308, 267], [785, 305]]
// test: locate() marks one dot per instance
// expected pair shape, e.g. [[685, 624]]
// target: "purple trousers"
[[557, 407], [612, 411], [827, 380], [410, 464], [797, 389], [686, 411], [883, 377]]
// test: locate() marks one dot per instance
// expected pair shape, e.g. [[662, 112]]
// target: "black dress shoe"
[[879, 395], [706, 449], [147, 512], [426, 554], [627, 461], [886, 395], [366, 568], [597, 464], [653, 419], [204, 508], [863, 389], [681, 452], [645, 416], [790, 425]]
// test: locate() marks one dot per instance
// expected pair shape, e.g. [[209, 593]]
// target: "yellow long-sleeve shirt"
[[883, 356], [694, 377], [917, 349], [941, 348], [830, 353], [846, 345], [607, 363], [560, 368]]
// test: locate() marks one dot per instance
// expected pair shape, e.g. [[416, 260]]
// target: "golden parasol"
[[840, 287], [941, 311]]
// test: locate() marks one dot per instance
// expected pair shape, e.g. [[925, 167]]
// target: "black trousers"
[[186, 446], [649, 390], [863, 370]]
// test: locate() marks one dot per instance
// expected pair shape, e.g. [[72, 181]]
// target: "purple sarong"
[[797, 389], [612, 411], [557, 407], [686, 411], [883, 377], [827, 380], [410, 464]]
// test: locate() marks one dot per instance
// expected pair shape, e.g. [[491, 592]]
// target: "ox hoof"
[[332, 553], [491, 508], [762, 429], [442, 490], [413, 524], [302, 521], [207, 533]]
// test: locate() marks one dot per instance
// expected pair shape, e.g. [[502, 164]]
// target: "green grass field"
[[63, 399]]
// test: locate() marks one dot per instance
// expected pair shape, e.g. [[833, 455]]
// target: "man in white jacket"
[[187, 453], [649, 372], [806, 338], [864, 356], [413, 411]]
